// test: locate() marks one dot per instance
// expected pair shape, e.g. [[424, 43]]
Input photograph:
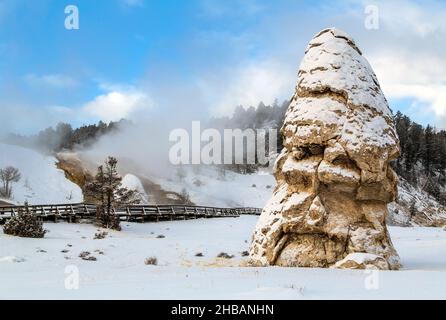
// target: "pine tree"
[[109, 195], [429, 150], [25, 224]]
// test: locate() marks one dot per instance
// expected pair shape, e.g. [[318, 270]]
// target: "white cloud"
[[52, 80], [409, 58], [116, 105], [420, 19], [404, 75], [249, 84], [113, 105]]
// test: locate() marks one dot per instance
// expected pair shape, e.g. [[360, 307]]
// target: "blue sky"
[[196, 58]]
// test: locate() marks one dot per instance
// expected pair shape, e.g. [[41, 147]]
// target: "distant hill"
[[65, 137]]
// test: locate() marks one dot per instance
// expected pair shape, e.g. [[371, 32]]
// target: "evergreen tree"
[[429, 150], [109, 195], [25, 224]]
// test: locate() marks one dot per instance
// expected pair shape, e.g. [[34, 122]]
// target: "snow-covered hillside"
[[415, 207], [41, 181], [40, 268], [206, 186]]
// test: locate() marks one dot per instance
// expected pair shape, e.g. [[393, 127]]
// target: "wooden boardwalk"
[[135, 213]]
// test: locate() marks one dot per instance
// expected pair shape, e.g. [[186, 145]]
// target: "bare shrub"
[[224, 255], [85, 255], [90, 258], [100, 235], [151, 261]]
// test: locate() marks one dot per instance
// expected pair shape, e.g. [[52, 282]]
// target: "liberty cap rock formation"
[[333, 176]]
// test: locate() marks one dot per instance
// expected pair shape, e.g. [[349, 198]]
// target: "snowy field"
[[35, 268]]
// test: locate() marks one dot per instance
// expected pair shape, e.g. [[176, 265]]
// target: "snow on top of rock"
[[326, 34], [132, 182], [361, 260], [338, 171], [296, 199], [361, 257], [333, 61], [332, 110], [338, 97], [306, 165]]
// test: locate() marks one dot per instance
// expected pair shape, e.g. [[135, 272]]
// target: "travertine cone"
[[333, 176]]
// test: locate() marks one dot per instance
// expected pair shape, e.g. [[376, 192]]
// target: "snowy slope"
[[41, 181], [35, 268], [415, 207], [208, 188]]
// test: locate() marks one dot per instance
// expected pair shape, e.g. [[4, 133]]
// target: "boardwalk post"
[[173, 213], [56, 214]]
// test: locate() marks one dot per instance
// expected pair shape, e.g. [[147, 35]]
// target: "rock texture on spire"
[[333, 175]]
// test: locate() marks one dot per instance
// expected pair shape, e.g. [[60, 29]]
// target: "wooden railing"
[[141, 213]]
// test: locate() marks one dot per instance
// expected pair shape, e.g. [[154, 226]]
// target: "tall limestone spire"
[[333, 176]]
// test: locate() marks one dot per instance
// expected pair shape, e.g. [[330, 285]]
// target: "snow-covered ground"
[[35, 268], [41, 182]]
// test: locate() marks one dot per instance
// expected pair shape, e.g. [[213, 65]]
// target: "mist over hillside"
[[64, 137]]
